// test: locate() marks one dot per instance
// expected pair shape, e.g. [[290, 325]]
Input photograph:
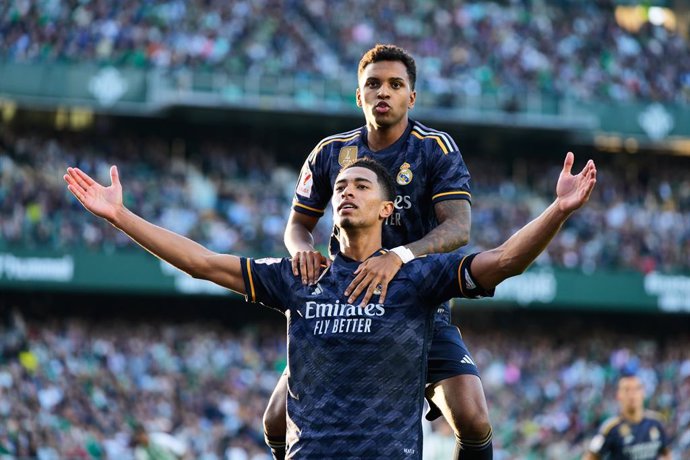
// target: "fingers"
[[83, 177], [568, 163], [307, 265], [384, 291], [76, 191], [303, 268], [355, 288], [114, 175], [313, 267], [366, 283], [373, 288]]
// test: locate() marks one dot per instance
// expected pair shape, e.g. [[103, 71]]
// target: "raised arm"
[[183, 253], [513, 257]]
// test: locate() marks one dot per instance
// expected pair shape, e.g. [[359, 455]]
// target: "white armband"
[[405, 254]]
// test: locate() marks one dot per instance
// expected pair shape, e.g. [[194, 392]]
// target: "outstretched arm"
[[183, 253], [513, 257]]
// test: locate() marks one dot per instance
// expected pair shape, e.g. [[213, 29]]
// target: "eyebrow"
[[401, 79], [356, 179]]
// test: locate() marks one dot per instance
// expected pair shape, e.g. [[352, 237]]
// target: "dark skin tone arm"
[[453, 231], [298, 238]]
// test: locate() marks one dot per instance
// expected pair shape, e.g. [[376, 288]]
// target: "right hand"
[[308, 265], [102, 201]]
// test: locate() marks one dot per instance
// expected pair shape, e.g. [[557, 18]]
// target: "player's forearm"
[[181, 252], [453, 231], [298, 233], [520, 250]]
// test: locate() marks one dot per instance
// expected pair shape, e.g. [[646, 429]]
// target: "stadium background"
[[209, 109]]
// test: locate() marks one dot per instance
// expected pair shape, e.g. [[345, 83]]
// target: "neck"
[[633, 415], [360, 243], [381, 137]]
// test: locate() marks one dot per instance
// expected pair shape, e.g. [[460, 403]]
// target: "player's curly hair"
[[385, 179], [389, 53]]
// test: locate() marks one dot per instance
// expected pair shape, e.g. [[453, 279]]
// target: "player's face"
[[384, 94], [630, 394], [357, 199]]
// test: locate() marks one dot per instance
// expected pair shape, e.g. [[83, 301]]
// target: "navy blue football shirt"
[[426, 164], [356, 374], [620, 439]]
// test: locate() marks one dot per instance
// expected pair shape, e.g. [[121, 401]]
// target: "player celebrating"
[[355, 373], [432, 215], [635, 434]]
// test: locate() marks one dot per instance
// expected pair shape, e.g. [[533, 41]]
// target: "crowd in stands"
[[238, 200], [79, 388], [464, 49], [231, 201]]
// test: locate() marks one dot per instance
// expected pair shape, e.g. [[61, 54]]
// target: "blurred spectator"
[[238, 199], [96, 384], [464, 49]]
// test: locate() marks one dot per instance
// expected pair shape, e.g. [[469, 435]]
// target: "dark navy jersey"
[[356, 374], [620, 439], [426, 165]]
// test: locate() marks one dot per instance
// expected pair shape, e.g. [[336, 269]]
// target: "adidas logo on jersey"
[[467, 360], [317, 290], [468, 281]]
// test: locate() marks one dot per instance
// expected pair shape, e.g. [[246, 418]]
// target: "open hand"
[[374, 274], [101, 201], [309, 264], [574, 191]]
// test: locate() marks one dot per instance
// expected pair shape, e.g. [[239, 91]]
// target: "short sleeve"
[[313, 189], [450, 178], [267, 281], [445, 276]]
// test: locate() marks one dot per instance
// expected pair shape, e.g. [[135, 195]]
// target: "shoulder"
[[330, 143], [282, 266], [609, 425], [434, 262], [654, 416], [433, 139]]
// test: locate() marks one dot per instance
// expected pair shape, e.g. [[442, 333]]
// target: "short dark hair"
[[389, 53], [385, 179]]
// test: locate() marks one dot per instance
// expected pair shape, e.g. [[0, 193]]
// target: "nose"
[[346, 191], [383, 91]]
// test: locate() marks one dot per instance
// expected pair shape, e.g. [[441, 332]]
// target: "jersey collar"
[[395, 146], [343, 260]]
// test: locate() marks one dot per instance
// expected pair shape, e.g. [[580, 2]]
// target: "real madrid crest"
[[654, 433], [347, 155], [404, 175]]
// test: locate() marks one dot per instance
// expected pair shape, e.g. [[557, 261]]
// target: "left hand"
[[574, 191], [372, 273]]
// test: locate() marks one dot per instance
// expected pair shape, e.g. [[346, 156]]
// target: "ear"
[[358, 97], [413, 98], [387, 210]]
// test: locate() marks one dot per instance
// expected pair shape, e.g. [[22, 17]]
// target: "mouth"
[[382, 107], [346, 205]]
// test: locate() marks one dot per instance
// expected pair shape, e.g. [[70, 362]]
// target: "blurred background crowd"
[[98, 385], [237, 199], [567, 48], [78, 388]]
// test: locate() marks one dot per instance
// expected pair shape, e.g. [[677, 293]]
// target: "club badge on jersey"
[[404, 175]]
